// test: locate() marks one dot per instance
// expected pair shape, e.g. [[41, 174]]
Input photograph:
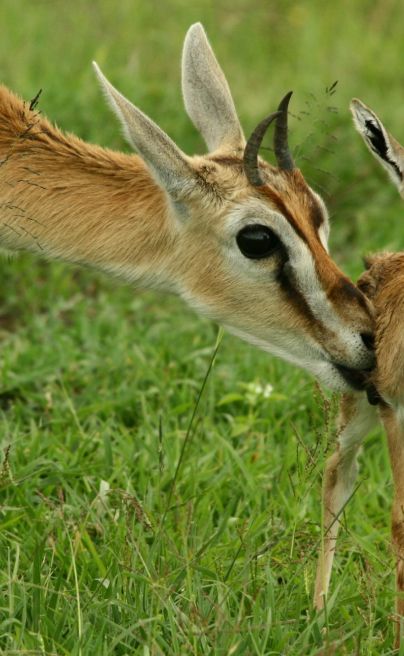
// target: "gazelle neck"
[[65, 199]]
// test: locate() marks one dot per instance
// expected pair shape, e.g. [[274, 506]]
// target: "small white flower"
[[255, 391], [267, 391]]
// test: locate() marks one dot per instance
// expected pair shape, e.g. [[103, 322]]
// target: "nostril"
[[369, 340]]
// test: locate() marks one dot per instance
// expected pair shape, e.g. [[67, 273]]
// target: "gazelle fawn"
[[383, 284], [242, 242]]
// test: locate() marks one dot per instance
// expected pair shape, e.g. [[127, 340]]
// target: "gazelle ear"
[[170, 165], [380, 142], [207, 95]]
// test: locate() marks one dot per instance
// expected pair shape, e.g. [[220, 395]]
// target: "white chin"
[[322, 369], [329, 376]]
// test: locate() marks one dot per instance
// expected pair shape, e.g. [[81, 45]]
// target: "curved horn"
[[281, 148], [250, 158]]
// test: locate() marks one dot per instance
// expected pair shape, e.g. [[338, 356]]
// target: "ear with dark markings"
[[379, 141]]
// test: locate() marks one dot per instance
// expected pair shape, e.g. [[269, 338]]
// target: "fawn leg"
[[395, 437], [356, 417]]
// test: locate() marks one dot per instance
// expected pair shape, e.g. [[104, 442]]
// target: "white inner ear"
[[207, 95], [169, 163], [362, 116]]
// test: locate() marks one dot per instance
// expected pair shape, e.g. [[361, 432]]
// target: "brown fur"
[[383, 284], [395, 436]]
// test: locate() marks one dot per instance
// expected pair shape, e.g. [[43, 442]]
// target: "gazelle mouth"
[[358, 379], [373, 395]]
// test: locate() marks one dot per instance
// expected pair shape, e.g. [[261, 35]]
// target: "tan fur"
[[64, 198], [393, 425], [383, 284]]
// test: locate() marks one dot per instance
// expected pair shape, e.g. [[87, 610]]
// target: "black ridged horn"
[[281, 148], [250, 158]]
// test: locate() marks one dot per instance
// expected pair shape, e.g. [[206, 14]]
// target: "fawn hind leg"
[[356, 418], [395, 437]]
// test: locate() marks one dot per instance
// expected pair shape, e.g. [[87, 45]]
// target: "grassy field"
[[147, 507]]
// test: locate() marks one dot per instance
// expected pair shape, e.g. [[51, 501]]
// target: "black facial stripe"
[[379, 145], [294, 296], [316, 215]]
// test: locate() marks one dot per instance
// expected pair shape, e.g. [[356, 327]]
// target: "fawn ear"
[[379, 141], [170, 165], [207, 96], [371, 259]]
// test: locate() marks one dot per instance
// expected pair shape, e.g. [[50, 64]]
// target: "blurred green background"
[[98, 383]]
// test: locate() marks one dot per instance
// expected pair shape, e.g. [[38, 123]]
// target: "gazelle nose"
[[369, 340]]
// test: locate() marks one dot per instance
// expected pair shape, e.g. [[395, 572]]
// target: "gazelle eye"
[[257, 241]]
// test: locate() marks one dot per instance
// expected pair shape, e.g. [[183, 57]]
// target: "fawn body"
[[383, 284]]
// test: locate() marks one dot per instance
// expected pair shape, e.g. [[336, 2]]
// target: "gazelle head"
[[248, 241], [380, 142]]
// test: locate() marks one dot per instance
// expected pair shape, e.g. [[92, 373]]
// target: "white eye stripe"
[[323, 233], [309, 285], [300, 258]]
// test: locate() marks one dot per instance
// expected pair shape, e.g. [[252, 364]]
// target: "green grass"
[[126, 527]]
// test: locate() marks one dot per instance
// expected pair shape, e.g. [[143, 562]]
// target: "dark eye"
[[257, 241]]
